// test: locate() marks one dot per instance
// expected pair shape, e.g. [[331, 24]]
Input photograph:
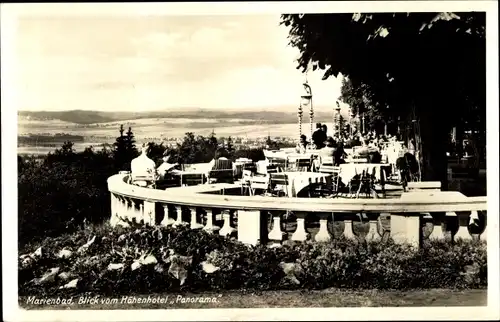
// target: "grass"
[[283, 299]]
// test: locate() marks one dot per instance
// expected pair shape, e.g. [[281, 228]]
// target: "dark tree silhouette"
[[230, 147], [124, 149], [432, 62], [130, 143]]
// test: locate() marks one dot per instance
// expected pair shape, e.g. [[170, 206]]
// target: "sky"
[[136, 63]]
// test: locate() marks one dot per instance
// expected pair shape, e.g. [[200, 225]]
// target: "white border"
[[9, 14]]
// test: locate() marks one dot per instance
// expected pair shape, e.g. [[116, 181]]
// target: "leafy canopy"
[[403, 58]]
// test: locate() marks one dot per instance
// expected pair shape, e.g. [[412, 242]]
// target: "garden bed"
[[101, 260]]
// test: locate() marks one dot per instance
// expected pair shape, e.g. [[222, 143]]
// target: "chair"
[[170, 182], [278, 162], [363, 183], [221, 172], [252, 167], [246, 182], [221, 176], [278, 183], [303, 164], [192, 179], [330, 188], [272, 168], [144, 180], [259, 181]]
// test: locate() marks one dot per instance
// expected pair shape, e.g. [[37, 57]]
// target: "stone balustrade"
[[217, 208]]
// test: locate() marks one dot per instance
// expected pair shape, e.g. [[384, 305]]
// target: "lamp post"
[[351, 121], [336, 120], [306, 99]]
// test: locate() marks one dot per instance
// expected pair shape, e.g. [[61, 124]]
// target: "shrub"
[[341, 263], [56, 195]]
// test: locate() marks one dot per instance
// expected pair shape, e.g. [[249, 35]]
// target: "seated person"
[[339, 154], [166, 167], [143, 169], [327, 154], [302, 145]]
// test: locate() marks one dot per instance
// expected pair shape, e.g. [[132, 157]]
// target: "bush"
[[58, 193], [341, 263]]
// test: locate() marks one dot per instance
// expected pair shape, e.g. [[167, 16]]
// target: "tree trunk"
[[434, 134]]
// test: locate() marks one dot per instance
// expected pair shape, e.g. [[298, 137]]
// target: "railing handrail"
[[197, 196]]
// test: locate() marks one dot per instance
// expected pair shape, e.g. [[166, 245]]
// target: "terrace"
[[296, 213]]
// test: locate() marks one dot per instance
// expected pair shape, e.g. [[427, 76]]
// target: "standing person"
[[318, 137], [324, 128]]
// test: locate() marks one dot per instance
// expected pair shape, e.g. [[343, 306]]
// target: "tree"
[[130, 143], [229, 146], [362, 102], [124, 149], [425, 62]]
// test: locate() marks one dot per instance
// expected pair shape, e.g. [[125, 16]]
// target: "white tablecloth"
[[349, 170], [297, 181], [262, 166]]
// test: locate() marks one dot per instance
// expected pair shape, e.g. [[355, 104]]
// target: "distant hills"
[[271, 116]]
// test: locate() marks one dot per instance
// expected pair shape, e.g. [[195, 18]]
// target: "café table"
[[350, 170], [297, 181]]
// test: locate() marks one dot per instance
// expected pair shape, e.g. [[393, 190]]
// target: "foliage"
[[341, 263], [429, 61], [124, 149], [362, 102], [59, 192], [195, 149]]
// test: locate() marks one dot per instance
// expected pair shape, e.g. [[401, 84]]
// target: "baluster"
[[125, 209], [194, 223], [226, 229], [426, 215], [114, 210], [149, 213], [373, 234], [120, 210], [210, 227], [449, 236], [463, 227], [178, 222], [276, 235], [348, 227], [437, 230], [300, 233], [141, 219], [167, 220], [483, 235], [131, 210], [323, 234]]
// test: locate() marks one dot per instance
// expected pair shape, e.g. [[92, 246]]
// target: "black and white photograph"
[[184, 161]]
